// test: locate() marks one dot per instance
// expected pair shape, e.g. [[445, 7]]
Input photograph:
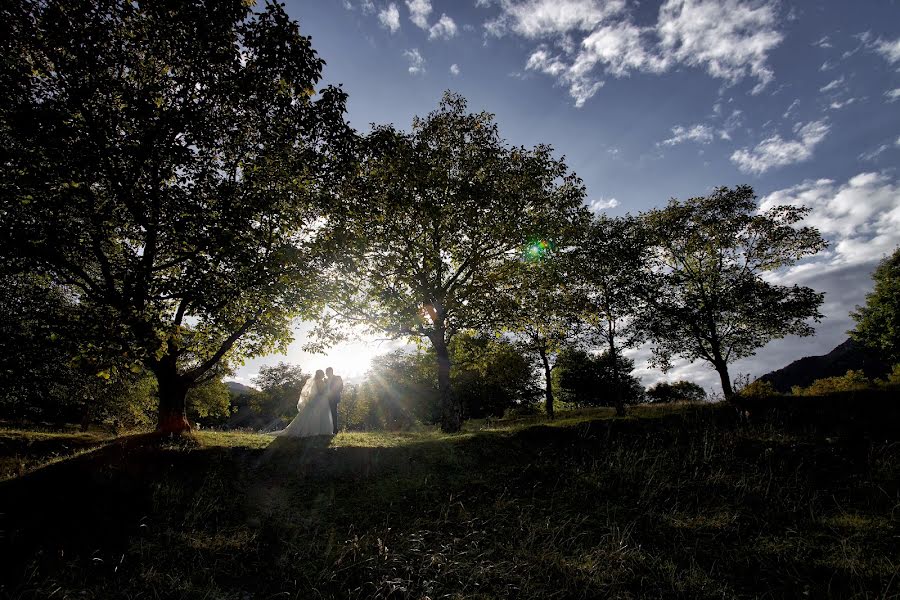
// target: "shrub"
[[849, 382], [759, 389], [678, 391]]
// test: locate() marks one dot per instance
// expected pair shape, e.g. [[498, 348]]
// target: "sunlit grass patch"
[[23, 450], [855, 522], [233, 439]]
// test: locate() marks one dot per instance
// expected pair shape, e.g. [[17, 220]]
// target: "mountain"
[[848, 355], [239, 389]]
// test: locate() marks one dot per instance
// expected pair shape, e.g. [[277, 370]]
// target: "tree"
[[613, 258], [587, 379], [168, 164], [878, 322], [677, 391], [281, 385], [710, 300], [546, 309], [443, 214], [490, 375], [400, 389]]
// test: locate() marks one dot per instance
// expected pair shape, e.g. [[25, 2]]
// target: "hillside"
[[239, 389], [846, 356], [670, 502]]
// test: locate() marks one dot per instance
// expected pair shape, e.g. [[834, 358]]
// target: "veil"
[[309, 389]]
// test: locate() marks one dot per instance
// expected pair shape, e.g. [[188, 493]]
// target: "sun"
[[351, 360]]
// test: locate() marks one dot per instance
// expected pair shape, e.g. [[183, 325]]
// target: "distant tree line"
[[171, 203]]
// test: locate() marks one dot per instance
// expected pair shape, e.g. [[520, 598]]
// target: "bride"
[[314, 413]]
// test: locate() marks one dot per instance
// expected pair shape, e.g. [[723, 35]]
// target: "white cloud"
[[873, 154], [838, 104], [730, 39], [861, 218], [893, 94], [790, 109], [390, 18], [777, 152], [445, 28], [581, 86], [621, 48], [889, 50], [454, 69], [830, 87], [416, 61], [419, 11], [823, 42], [702, 134], [535, 19], [601, 204]]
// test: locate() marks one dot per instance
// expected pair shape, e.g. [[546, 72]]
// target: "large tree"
[[546, 308], [613, 257], [164, 161], [444, 212], [711, 299], [878, 322]]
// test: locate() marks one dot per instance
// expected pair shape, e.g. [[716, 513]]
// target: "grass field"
[[687, 501]]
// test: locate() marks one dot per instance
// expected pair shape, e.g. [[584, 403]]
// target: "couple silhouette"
[[317, 406]]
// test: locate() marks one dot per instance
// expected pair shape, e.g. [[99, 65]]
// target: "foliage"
[[280, 385], [543, 303], [490, 375], [586, 379], [759, 388], [209, 401], [400, 390], [612, 260], [39, 378], [172, 182], [709, 300], [443, 213], [850, 381], [676, 391], [878, 322]]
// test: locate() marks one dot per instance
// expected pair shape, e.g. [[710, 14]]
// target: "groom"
[[334, 385]]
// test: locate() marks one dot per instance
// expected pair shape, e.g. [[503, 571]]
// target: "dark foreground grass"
[[691, 503]]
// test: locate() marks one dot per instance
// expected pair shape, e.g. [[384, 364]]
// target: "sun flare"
[[351, 360]]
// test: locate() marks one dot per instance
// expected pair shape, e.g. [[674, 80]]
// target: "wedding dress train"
[[314, 413]]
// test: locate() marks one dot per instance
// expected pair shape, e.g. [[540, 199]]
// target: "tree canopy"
[[613, 258], [710, 300], [443, 214], [168, 164], [878, 322]]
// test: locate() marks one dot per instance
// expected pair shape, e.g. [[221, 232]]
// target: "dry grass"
[[679, 502]]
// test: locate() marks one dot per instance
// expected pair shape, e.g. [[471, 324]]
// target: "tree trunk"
[[722, 370], [450, 410], [617, 384], [548, 385], [172, 394]]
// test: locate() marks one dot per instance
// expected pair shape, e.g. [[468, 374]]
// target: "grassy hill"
[[687, 501]]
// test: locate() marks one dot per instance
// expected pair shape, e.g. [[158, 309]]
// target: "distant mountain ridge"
[[239, 389], [846, 356]]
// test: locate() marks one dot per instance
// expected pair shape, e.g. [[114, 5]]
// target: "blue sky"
[[657, 99]]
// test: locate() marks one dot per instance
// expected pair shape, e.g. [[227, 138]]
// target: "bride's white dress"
[[314, 414]]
